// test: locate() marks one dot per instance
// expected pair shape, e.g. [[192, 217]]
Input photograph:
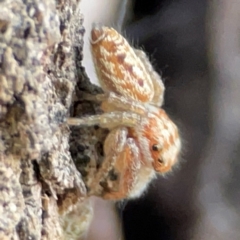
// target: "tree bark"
[[42, 193]]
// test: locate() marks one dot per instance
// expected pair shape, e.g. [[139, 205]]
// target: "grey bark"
[[42, 194]]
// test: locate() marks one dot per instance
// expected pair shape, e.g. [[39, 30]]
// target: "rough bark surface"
[[42, 193]]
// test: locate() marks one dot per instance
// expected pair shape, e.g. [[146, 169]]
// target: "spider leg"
[[127, 166], [108, 120], [118, 174], [156, 79], [112, 102]]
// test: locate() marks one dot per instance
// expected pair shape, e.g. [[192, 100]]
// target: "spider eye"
[[160, 160], [155, 147]]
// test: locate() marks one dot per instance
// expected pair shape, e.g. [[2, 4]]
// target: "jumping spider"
[[143, 140]]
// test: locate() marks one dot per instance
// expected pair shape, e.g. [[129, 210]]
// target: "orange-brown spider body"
[[143, 140]]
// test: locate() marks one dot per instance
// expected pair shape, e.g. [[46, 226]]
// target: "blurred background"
[[195, 47]]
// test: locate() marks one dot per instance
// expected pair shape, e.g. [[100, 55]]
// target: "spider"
[[143, 141]]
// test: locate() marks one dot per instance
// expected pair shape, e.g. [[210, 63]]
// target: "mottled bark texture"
[[42, 194]]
